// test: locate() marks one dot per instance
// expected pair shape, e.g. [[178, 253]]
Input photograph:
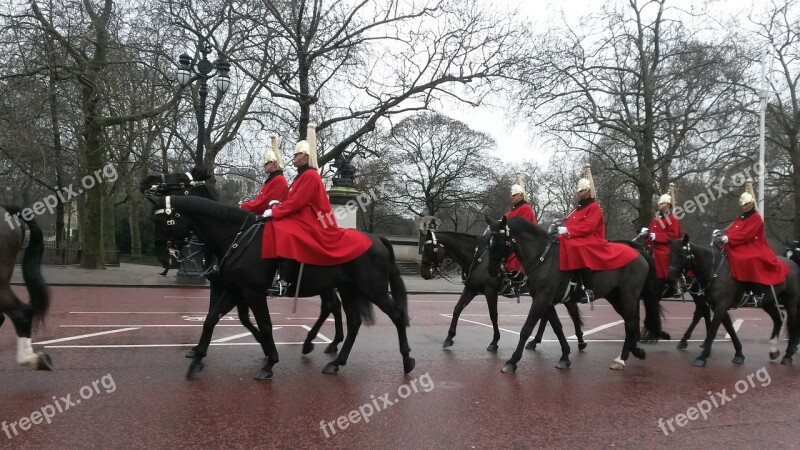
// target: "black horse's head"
[[167, 247], [499, 245], [792, 251], [680, 259], [433, 255], [171, 233], [179, 183]]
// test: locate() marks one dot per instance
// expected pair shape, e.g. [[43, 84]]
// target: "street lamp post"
[[192, 267]]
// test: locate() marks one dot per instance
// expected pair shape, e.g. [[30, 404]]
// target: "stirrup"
[[755, 299], [279, 289], [588, 296]]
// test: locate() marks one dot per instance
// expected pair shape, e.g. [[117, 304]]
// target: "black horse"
[[15, 231], [539, 253], [470, 252], [221, 302], [724, 293], [361, 282]]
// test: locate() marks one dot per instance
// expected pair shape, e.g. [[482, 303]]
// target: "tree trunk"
[[133, 220], [92, 236]]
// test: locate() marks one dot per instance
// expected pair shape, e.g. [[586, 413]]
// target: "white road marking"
[[235, 336], [600, 328], [150, 312], [168, 345], [72, 338], [450, 316], [736, 325]]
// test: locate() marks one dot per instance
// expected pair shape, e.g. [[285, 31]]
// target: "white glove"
[[267, 214], [273, 203], [652, 236], [562, 230], [644, 231], [724, 239]]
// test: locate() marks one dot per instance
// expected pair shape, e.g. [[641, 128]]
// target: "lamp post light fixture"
[[191, 270], [203, 69]]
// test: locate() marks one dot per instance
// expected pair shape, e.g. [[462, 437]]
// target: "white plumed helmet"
[[274, 155], [309, 146], [745, 198], [666, 198], [583, 184]]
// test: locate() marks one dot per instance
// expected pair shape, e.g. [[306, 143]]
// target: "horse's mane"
[[520, 225], [210, 208]]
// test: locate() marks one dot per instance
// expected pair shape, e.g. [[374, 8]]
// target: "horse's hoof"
[[409, 364], [531, 345], [191, 353], [509, 367], [194, 370], [308, 347], [331, 369], [683, 344], [739, 359], [639, 353], [582, 345], [331, 348], [491, 348], [44, 362], [447, 343], [263, 374], [786, 361], [699, 362], [563, 364], [774, 355], [616, 365]]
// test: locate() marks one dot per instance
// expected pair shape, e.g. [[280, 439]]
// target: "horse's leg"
[[793, 325], [771, 307], [466, 297], [218, 308], [329, 302], [338, 337], [701, 309], [628, 308], [539, 334], [552, 317], [575, 314], [720, 311], [538, 309], [21, 315], [258, 304], [738, 357], [353, 325], [491, 301]]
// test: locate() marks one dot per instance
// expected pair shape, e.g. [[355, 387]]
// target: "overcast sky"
[[515, 141]]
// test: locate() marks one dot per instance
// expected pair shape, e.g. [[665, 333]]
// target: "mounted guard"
[[751, 258], [275, 187], [303, 227], [519, 208], [582, 238], [663, 229]]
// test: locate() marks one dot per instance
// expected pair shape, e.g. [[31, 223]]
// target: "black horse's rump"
[[723, 293], [15, 231], [361, 282], [539, 255]]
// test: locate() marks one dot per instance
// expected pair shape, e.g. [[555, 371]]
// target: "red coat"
[[666, 228], [521, 209], [275, 188], [751, 258], [303, 227], [585, 245]]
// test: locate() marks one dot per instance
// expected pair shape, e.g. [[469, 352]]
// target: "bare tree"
[[643, 93], [439, 163]]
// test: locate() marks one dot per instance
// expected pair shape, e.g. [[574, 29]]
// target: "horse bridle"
[[510, 240], [691, 257], [163, 187], [436, 268]]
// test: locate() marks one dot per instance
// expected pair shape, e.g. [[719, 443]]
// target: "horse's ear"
[[200, 173], [489, 221], [503, 220], [685, 239], [146, 183]]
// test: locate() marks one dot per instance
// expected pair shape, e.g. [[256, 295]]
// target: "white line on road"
[[167, 345], [600, 328], [72, 338], [450, 316], [736, 325], [148, 312]]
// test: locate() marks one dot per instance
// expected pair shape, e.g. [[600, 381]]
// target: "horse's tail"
[[396, 284], [38, 291]]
